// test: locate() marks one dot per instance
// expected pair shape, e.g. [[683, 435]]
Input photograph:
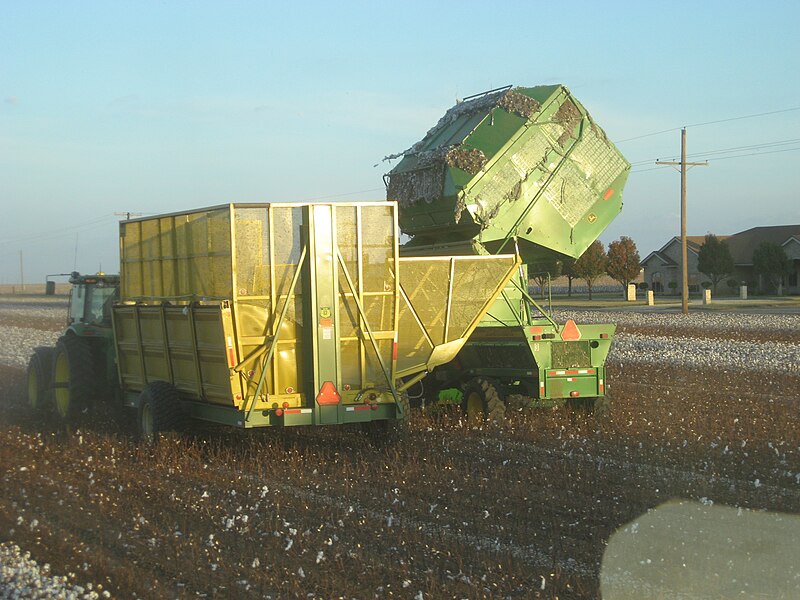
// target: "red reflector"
[[394, 351], [574, 394], [293, 411], [570, 333], [608, 194], [328, 394], [231, 360], [536, 338], [279, 412], [285, 405], [603, 336], [536, 330]]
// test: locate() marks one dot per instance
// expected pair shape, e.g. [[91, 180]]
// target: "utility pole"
[[128, 215], [684, 252], [21, 273]]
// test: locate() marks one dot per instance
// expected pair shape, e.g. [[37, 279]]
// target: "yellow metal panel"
[[444, 298]]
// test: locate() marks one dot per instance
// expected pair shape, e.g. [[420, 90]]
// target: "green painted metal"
[[524, 163], [525, 170]]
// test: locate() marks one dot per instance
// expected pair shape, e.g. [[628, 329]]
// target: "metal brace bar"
[[284, 310]]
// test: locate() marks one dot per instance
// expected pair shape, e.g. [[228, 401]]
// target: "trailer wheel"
[[159, 411], [386, 433], [482, 402], [73, 383], [40, 374]]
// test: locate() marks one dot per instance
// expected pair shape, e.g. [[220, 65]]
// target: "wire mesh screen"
[[446, 297], [177, 258]]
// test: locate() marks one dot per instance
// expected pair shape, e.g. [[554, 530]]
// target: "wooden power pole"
[[684, 252]]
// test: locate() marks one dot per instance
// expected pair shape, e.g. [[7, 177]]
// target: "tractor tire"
[[159, 411], [482, 402], [40, 375], [73, 381], [387, 433]]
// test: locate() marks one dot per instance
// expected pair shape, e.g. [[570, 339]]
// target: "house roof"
[[744, 243]]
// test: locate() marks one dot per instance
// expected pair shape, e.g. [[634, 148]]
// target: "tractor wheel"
[[73, 381], [159, 411], [40, 374], [482, 402], [386, 433]]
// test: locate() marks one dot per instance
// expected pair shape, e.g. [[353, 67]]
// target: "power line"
[[764, 114], [725, 150], [725, 158], [60, 232]]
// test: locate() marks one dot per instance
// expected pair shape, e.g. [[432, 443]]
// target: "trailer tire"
[[159, 411], [482, 402], [40, 375], [387, 433], [73, 382]]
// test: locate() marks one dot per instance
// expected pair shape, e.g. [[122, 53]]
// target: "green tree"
[[569, 273], [544, 269], [591, 265], [715, 260], [771, 262], [623, 261]]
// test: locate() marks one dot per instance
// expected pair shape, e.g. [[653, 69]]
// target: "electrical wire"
[[764, 114], [724, 158], [724, 150], [60, 232]]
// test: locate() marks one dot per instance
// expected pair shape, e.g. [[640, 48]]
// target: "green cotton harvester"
[[523, 170]]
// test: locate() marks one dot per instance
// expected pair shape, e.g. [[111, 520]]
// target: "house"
[[663, 266]]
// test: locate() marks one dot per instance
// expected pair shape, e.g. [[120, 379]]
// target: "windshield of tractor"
[[91, 303]]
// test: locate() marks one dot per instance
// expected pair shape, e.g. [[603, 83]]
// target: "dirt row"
[[522, 510]]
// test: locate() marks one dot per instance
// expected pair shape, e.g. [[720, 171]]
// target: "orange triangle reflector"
[[328, 394], [570, 333]]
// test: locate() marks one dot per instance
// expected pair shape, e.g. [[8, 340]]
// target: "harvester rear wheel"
[[73, 383], [40, 374], [159, 411], [482, 402]]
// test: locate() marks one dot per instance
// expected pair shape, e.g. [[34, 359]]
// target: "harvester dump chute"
[[528, 163]]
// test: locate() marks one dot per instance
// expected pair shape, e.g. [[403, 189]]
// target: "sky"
[[152, 107]]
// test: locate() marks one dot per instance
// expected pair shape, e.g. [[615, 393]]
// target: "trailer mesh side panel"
[[570, 354]]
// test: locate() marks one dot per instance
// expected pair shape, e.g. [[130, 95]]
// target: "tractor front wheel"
[[483, 402]]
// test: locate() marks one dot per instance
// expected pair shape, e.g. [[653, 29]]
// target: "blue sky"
[[151, 107]]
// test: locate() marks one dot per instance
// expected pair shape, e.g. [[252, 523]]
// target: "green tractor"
[[68, 378]]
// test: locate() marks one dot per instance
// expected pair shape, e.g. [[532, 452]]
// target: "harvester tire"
[[519, 403], [159, 411], [598, 407], [40, 375], [482, 402], [73, 383], [387, 433]]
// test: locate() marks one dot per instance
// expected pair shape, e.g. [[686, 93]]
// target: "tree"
[[548, 267], [715, 260], [591, 265], [623, 261], [771, 262], [568, 264]]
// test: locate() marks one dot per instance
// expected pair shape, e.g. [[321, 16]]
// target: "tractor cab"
[[90, 301]]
